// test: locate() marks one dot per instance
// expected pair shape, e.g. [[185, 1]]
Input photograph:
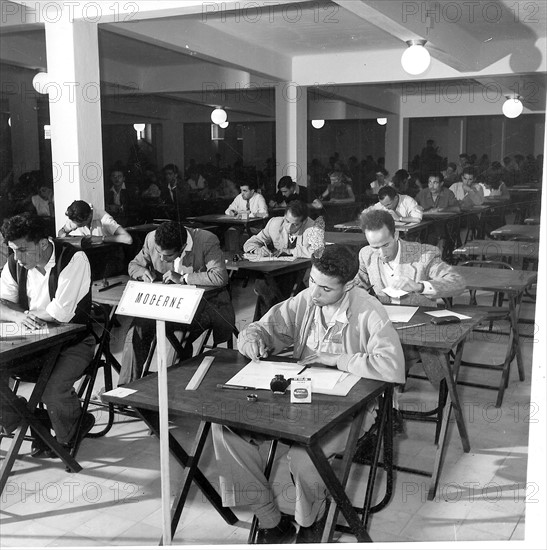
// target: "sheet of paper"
[[394, 292], [258, 374], [323, 378], [400, 314], [16, 330], [446, 313], [120, 392], [255, 258]]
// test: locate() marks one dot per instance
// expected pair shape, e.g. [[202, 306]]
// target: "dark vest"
[[63, 255]]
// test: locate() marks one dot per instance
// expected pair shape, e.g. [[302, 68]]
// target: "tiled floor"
[[115, 499]]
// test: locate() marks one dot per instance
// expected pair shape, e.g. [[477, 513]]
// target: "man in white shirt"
[[43, 202], [401, 207], [467, 192], [42, 282], [248, 203], [93, 224]]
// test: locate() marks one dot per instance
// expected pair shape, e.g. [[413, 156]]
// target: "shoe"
[[313, 533], [88, 422], [282, 533]]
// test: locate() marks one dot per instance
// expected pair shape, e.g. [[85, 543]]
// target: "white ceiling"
[[170, 48]]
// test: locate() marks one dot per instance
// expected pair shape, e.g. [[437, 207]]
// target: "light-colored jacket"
[[205, 258], [419, 262], [275, 234], [362, 334]]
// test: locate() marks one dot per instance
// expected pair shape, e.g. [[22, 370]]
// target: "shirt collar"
[[186, 250]]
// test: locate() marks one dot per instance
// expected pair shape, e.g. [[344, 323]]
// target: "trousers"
[[59, 397], [241, 469]]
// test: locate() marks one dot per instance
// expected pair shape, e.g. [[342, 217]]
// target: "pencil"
[[411, 326]]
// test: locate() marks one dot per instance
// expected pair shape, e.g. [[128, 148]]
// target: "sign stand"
[[164, 432], [176, 303]]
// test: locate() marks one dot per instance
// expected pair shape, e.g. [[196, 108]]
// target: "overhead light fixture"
[[318, 124], [40, 81], [9, 122], [218, 116], [381, 121], [415, 59], [224, 124], [139, 128], [513, 106]]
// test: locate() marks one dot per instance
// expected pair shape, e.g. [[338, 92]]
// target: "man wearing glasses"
[[294, 235], [173, 254]]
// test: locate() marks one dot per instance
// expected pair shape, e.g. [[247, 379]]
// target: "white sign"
[[177, 303]]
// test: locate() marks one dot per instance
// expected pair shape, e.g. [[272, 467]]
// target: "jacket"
[[361, 334]]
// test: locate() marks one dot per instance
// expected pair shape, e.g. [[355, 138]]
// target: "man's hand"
[[321, 359], [30, 321], [148, 276], [254, 349], [172, 277], [405, 283]]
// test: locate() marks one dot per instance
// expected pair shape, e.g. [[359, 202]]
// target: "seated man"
[[333, 323], [289, 190], [44, 281], [436, 198], [249, 202], [338, 190], [402, 208], [117, 198], [467, 192], [296, 235], [93, 224], [380, 181], [389, 262], [175, 254], [42, 202]]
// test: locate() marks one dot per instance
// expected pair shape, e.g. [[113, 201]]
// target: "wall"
[[347, 137]]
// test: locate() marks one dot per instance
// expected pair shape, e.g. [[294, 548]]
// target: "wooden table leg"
[[152, 421]]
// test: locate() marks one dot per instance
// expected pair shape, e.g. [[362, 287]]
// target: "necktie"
[[248, 205]]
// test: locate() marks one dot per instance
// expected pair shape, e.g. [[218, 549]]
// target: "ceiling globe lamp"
[[318, 124], [219, 116], [381, 121], [415, 59], [513, 106]]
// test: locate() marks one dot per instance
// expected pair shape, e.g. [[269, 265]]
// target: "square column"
[[75, 114], [291, 132]]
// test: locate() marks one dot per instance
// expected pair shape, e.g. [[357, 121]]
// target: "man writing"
[[174, 254], [402, 208], [467, 192], [392, 263], [42, 282], [333, 323]]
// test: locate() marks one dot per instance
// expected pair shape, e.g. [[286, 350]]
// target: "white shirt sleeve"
[[9, 289], [74, 283], [109, 225]]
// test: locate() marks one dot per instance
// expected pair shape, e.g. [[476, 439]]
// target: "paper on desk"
[[258, 374], [119, 392], [323, 378], [256, 258], [394, 292], [16, 330], [400, 314], [446, 313]]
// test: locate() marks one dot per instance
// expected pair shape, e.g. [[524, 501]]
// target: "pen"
[[411, 326], [109, 286], [230, 387]]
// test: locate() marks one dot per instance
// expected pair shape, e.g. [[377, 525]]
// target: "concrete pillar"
[[24, 134], [291, 132], [394, 144], [75, 114]]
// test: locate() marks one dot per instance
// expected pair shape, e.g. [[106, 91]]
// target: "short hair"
[[338, 261], [173, 167], [382, 171], [469, 170], [298, 209], [171, 236], [251, 184], [435, 175], [285, 181], [452, 165], [78, 211], [374, 220], [31, 228], [387, 191]]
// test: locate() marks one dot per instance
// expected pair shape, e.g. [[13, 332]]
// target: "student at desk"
[[248, 202], [179, 255], [333, 323], [45, 281], [294, 234], [92, 224], [415, 268], [402, 208]]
